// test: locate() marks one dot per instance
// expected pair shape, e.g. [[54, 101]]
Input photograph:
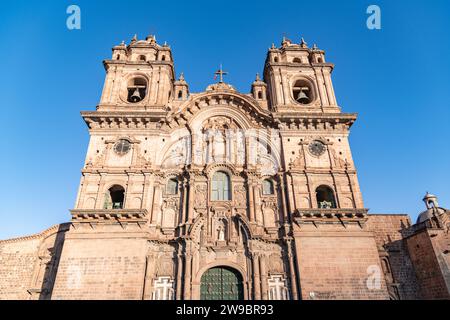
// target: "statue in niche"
[[220, 233], [202, 235], [221, 230]]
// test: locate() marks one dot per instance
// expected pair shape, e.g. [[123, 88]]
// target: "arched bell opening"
[[114, 198], [325, 198]]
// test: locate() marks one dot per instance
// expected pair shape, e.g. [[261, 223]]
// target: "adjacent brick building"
[[225, 195]]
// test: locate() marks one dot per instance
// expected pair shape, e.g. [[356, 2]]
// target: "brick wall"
[[389, 231]]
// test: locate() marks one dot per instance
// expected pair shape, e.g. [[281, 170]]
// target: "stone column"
[[179, 295], [291, 193], [329, 88], [251, 199], [259, 215], [147, 292], [256, 278], [101, 195], [159, 88], [336, 193], [283, 199], [183, 203], [156, 202], [292, 273], [285, 85], [310, 192], [190, 199], [320, 87], [262, 263], [147, 194], [187, 276]]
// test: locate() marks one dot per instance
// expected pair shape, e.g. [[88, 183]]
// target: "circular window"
[[317, 148], [302, 92], [122, 147]]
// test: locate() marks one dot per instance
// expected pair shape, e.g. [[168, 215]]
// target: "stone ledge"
[[107, 215], [341, 216]]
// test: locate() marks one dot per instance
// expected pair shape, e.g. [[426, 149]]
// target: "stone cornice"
[[160, 120], [316, 121], [321, 216], [341, 117], [120, 119], [106, 215], [97, 170], [320, 171]]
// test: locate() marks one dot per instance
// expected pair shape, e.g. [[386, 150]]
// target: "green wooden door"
[[222, 283]]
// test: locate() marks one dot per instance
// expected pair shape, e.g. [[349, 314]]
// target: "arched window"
[[319, 60], [142, 58], [260, 95], [114, 198], [267, 187], [180, 94], [325, 197], [297, 60], [275, 59], [163, 58], [220, 187], [172, 186]]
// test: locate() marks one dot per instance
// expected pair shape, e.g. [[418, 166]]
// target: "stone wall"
[[429, 262], [103, 264], [28, 265], [389, 231], [17, 260], [336, 263]]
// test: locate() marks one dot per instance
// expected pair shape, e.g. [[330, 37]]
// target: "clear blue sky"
[[397, 80]]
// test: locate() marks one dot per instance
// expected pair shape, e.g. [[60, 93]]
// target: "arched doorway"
[[222, 283]]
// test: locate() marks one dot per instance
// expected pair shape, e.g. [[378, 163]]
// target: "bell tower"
[[299, 79], [139, 76]]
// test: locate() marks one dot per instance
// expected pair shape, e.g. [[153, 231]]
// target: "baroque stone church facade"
[[225, 195]]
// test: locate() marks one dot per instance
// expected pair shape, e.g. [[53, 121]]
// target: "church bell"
[[302, 97], [136, 96]]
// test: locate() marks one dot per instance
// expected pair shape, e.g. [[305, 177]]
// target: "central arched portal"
[[222, 283]]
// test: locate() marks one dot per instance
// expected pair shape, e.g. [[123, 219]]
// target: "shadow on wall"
[[51, 268]]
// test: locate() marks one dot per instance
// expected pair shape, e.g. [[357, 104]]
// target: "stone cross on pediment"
[[220, 73]]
